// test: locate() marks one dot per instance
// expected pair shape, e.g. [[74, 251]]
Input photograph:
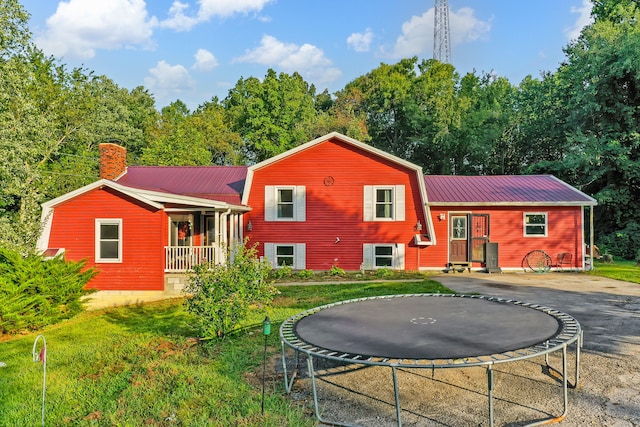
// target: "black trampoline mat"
[[426, 327]]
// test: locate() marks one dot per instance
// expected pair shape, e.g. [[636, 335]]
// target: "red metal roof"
[[502, 189], [222, 183]]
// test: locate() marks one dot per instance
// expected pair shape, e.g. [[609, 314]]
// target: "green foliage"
[[336, 271], [306, 274], [35, 292], [384, 273], [221, 297], [271, 114], [282, 272]]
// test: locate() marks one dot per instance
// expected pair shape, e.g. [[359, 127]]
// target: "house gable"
[[335, 174]]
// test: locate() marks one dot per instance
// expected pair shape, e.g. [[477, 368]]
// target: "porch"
[[181, 259]]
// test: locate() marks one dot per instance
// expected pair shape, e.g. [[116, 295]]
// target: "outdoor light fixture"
[[443, 216], [249, 226], [418, 226], [266, 326]]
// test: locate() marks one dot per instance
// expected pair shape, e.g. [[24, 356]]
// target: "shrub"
[[36, 292], [282, 272], [384, 273], [336, 271], [221, 297], [306, 274]]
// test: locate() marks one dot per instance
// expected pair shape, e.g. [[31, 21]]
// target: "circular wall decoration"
[[328, 181]]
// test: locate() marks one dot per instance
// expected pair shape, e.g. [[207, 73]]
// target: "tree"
[[602, 73], [270, 115], [221, 296]]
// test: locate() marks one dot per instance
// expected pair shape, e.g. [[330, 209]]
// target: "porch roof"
[[450, 190], [221, 183]]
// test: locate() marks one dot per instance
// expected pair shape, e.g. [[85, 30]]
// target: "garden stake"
[[266, 331], [41, 357]]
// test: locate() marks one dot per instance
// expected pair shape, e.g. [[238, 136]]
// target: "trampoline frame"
[[569, 333]]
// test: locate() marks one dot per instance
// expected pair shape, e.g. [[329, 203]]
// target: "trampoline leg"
[[564, 393], [578, 347], [316, 405], [288, 384], [490, 393], [397, 395]]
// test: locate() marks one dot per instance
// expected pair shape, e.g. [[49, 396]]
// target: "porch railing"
[[184, 258]]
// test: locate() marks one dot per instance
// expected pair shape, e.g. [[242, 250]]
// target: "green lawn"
[[629, 271], [142, 366]]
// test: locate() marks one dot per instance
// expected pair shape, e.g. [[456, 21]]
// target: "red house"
[[333, 201]]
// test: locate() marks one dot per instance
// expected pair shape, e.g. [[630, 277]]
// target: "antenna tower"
[[441, 48]]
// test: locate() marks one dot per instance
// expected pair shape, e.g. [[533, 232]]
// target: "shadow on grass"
[[168, 318], [304, 297]]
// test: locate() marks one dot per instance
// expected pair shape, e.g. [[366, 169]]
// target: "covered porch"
[[201, 236]]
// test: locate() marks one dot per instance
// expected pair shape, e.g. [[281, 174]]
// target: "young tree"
[[221, 296]]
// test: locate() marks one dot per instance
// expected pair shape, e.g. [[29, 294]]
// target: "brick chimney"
[[113, 160]]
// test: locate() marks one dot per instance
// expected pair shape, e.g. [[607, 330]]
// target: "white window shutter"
[[270, 253], [399, 203], [301, 206], [300, 263], [398, 261], [368, 208], [367, 256], [269, 203]]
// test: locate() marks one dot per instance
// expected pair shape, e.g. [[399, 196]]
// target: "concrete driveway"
[[609, 313]]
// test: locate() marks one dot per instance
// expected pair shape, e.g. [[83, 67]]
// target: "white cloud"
[[168, 80], [584, 19], [79, 27], [180, 21], [417, 33], [360, 42], [205, 60], [307, 60], [177, 19]]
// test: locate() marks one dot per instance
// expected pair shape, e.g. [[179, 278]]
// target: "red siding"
[[564, 234], [335, 210], [144, 233]]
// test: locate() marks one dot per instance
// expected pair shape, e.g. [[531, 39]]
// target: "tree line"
[[579, 122]]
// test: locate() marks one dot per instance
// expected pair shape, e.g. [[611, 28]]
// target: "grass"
[[142, 365], [628, 271]]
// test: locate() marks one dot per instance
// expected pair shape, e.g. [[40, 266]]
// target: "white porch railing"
[[184, 258]]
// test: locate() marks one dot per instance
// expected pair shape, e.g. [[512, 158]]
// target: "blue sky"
[[194, 50]]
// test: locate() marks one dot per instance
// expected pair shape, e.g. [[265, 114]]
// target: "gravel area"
[[608, 392]]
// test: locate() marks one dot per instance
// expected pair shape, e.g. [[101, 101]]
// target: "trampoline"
[[431, 331]]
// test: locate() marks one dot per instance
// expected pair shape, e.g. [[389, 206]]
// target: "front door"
[[458, 242]]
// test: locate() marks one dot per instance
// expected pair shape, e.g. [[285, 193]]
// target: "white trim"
[[298, 203], [98, 239], [299, 254], [369, 257], [545, 224], [370, 202]]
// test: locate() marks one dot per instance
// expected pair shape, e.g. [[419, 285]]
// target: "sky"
[[194, 50]]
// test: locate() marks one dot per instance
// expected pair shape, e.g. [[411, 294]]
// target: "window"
[[285, 255], [289, 254], [284, 203], [458, 227], [108, 240], [383, 256], [535, 224], [384, 203]]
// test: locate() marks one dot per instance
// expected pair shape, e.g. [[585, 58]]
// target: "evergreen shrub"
[[36, 292]]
